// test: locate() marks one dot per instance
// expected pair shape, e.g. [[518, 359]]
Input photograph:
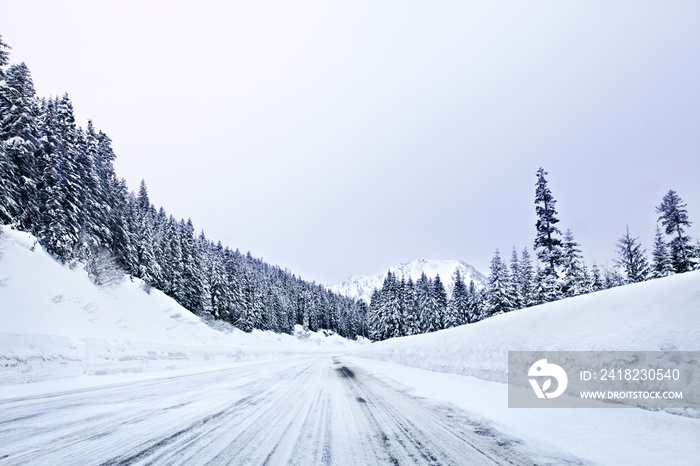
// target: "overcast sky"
[[339, 138]]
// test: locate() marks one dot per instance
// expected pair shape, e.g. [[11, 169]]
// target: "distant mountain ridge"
[[362, 286]]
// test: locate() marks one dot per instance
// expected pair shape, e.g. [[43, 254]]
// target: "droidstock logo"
[[542, 369]]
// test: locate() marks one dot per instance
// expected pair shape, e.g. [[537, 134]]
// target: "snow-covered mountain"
[[362, 286]]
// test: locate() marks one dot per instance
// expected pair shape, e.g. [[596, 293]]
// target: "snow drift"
[[661, 314], [55, 322]]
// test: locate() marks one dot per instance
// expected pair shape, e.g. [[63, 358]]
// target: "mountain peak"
[[362, 286]]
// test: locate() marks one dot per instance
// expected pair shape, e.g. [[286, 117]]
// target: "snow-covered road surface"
[[295, 410]]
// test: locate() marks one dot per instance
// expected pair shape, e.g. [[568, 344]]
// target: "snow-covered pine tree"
[[547, 242], [612, 277], [205, 271], [586, 286], [61, 187], [425, 303], [498, 298], [695, 255], [148, 268], [546, 287], [438, 306], [233, 264], [596, 279], [373, 320], [95, 162], [7, 169], [118, 224], [526, 280], [19, 141], [358, 319], [8, 189], [106, 197], [88, 234], [249, 316], [458, 304], [474, 304], [322, 308], [573, 276], [218, 284], [273, 309], [390, 318], [411, 312], [673, 215], [661, 261], [517, 299], [4, 57], [631, 259], [191, 289]]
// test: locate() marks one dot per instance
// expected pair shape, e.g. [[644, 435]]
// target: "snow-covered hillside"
[[362, 286], [465, 366], [55, 322], [657, 315]]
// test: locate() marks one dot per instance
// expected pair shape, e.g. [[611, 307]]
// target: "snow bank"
[[656, 315], [661, 314], [55, 322], [554, 436]]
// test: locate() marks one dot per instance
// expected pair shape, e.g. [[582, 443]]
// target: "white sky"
[[341, 138]]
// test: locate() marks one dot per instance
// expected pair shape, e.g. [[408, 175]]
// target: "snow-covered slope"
[[54, 322], [661, 314], [362, 286]]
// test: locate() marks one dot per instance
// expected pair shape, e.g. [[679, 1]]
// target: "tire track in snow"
[[297, 411]]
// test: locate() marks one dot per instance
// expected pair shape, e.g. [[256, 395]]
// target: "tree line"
[[58, 182], [403, 308]]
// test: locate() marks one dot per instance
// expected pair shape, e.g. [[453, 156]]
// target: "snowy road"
[[296, 410]]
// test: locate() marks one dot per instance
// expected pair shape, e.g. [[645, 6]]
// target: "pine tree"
[[631, 258], [411, 311], [391, 313], [4, 57], [219, 286], [19, 140], [373, 316], [8, 189], [425, 304], [60, 185], [458, 304], [249, 316], [498, 299], [596, 278], [89, 234], [661, 262], [148, 268], [191, 289], [547, 243], [612, 277], [7, 169], [547, 287], [516, 286], [233, 264], [121, 227], [573, 281], [438, 305], [674, 217], [474, 304], [526, 280]]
